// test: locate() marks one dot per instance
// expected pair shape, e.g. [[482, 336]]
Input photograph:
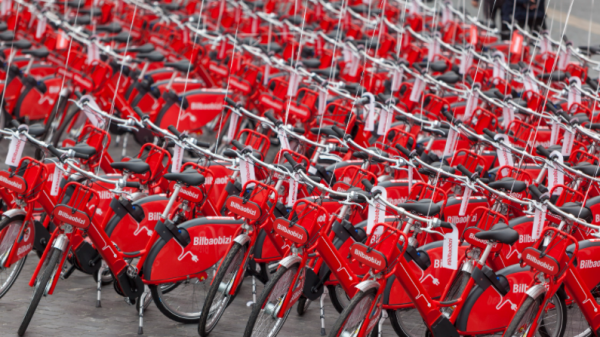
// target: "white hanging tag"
[[504, 156], [446, 14], [233, 120], [410, 178], [538, 222], [414, 8], [385, 121], [5, 6], [41, 28], [56, 178], [292, 192], [346, 53], [370, 119], [574, 94], [88, 109], [285, 144], [293, 84], [246, 171], [418, 87], [322, 102], [354, 65], [465, 201], [255, 25], [508, 114], [555, 177], [568, 139], [564, 57], [15, 150], [177, 159], [466, 59], [471, 105], [450, 142], [450, 249], [554, 133], [312, 170], [93, 53], [397, 76], [266, 77], [376, 210], [498, 69], [434, 49], [529, 84]]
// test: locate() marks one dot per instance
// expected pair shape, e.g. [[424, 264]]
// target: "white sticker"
[[434, 49], [554, 133], [385, 121], [446, 14], [529, 84], [15, 150], [56, 178], [346, 53], [88, 109], [450, 142], [266, 77], [397, 77], [498, 69], [466, 59], [177, 159], [545, 46], [574, 93], [376, 210], [504, 156], [93, 53], [555, 176], [285, 144], [508, 114], [568, 139], [41, 28], [450, 249], [564, 58], [322, 102], [414, 8], [293, 191], [5, 6], [370, 119], [354, 62], [472, 102], [246, 170], [418, 87], [465, 201], [233, 120], [410, 178], [538, 222], [293, 84], [312, 170]]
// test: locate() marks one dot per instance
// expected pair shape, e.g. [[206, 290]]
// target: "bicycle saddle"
[[576, 210], [423, 207], [437, 66], [7, 35], [153, 56], [274, 48], [3, 26], [143, 49], [173, 6], [72, 4], [383, 98], [95, 11], [112, 28], [36, 129], [183, 66], [135, 166], [311, 62], [555, 76], [326, 130], [330, 72], [362, 9], [366, 156], [449, 77], [587, 168], [445, 168], [500, 232], [509, 184], [82, 148], [188, 177], [39, 52], [494, 93], [295, 20], [354, 88], [80, 20], [19, 44]]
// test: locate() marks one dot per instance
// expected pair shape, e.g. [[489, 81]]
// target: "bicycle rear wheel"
[[9, 229], [263, 320], [218, 297], [41, 287], [354, 315]]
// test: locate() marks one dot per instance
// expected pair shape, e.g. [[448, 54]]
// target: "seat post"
[[165, 215]]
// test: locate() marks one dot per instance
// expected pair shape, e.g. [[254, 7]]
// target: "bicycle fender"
[[289, 261], [242, 239], [14, 212], [536, 291], [366, 285]]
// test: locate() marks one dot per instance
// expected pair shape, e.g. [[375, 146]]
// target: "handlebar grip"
[[367, 184], [203, 144], [364, 100], [139, 112], [535, 193], [403, 150], [82, 156], [133, 184], [485, 180], [418, 68], [272, 118], [237, 144], [341, 149], [564, 115], [543, 151], [489, 133], [230, 102], [230, 153], [290, 159], [449, 116], [339, 131], [550, 106], [14, 123], [445, 224], [174, 131], [299, 131], [319, 79], [54, 151], [464, 170], [595, 126]]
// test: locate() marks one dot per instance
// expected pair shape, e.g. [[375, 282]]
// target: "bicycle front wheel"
[[352, 318], [552, 321], [41, 287], [218, 297], [9, 229], [263, 320]]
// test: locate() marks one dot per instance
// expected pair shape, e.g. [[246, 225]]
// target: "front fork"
[[60, 241]]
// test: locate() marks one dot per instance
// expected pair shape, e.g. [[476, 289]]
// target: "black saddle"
[[182, 66], [576, 210], [499, 233], [438, 165], [153, 56], [423, 207], [36, 129], [509, 184], [7, 35], [136, 166], [366, 156], [82, 148], [38, 52], [188, 177], [449, 77]]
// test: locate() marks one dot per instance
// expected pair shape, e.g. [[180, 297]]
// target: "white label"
[[567, 142], [414, 8], [285, 144], [446, 14], [538, 222], [346, 53], [93, 53], [5, 6], [498, 60], [322, 102], [312, 170], [545, 46], [293, 84], [376, 210], [555, 176], [15, 150], [466, 59], [508, 114], [434, 49], [410, 178], [41, 28], [177, 159], [266, 77], [504, 156], [554, 133], [564, 58], [370, 119], [385, 121], [91, 115], [354, 62], [465, 201], [450, 142], [56, 178], [418, 87], [529, 84], [574, 93], [450, 249], [293, 191], [246, 171], [471, 105], [397, 77], [233, 120]]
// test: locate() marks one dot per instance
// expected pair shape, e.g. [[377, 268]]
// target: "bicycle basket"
[[27, 180], [77, 206]]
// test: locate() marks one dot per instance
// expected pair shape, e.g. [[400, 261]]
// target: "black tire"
[[40, 288], [229, 268], [303, 304], [8, 276], [355, 313], [274, 292], [522, 320], [339, 298]]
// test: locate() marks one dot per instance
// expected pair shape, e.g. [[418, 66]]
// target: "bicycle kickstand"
[[99, 284], [322, 309], [384, 316], [124, 150], [142, 301], [251, 303]]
